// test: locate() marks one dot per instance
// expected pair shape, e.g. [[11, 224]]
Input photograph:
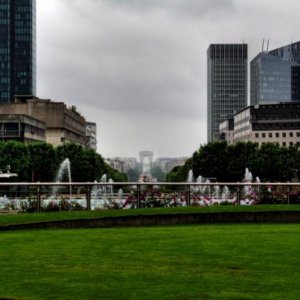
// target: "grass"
[[245, 261], [54, 216]]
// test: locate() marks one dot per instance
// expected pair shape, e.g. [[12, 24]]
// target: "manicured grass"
[[245, 261], [54, 216]]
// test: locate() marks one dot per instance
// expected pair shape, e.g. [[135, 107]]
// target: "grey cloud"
[[138, 67], [190, 7]]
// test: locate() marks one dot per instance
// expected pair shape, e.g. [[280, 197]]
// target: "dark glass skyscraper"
[[226, 84], [17, 48]]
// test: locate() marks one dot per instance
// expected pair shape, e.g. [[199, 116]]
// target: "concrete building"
[[226, 129], [21, 128], [123, 164], [91, 135], [277, 123], [17, 48], [227, 67], [63, 124], [275, 76]]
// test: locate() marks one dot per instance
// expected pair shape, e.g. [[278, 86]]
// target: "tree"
[[180, 173], [133, 174], [42, 162], [211, 161], [239, 158], [157, 173], [86, 164], [16, 155], [269, 162]]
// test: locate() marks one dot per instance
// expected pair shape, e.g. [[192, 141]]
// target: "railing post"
[[188, 195], [38, 198], [288, 195], [88, 198], [238, 195], [139, 196]]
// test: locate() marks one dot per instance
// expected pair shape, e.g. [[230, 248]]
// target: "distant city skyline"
[[138, 69]]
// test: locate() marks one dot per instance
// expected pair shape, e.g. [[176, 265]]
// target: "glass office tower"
[[275, 75], [289, 53], [270, 79], [226, 84], [17, 48]]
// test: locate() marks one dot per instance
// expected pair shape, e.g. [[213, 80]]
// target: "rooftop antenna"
[[268, 46], [263, 44], [292, 58]]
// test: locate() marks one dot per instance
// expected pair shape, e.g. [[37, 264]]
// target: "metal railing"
[[92, 195]]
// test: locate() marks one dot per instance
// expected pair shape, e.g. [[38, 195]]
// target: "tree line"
[[227, 163], [40, 162]]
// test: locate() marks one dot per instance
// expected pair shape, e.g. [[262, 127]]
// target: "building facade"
[[17, 48], [275, 76], [226, 129], [276, 123], [91, 135], [289, 52], [63, 124], [227, 67], [21, 128]]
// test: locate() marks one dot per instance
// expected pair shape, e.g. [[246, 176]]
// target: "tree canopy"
[[227, 163], [40, 162]]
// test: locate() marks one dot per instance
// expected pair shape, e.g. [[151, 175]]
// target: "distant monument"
[[146, 158]]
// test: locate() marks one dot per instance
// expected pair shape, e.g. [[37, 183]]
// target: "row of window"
[[277, 134], [22, 30], [289, 144]]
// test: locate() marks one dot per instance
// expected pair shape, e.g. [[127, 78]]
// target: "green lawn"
[[53, 216], [244, 261]]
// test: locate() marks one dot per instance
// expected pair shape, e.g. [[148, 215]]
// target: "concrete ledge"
[[168, 219]]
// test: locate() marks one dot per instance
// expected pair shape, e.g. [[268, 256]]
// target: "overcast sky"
[[138, 67]]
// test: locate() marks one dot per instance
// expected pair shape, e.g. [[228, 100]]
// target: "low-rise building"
[[277, 123], [63, 124], [91, 135], [21, 128], [122, 164], [226, 131]]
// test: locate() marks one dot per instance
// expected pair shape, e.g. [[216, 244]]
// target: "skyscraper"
[[17, 48], [226, 84], [275, 75]]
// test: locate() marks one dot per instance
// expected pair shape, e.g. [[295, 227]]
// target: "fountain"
[[190, 177], [247, 178], [199, 180], [63, 172], [100, 193], [225, 193]]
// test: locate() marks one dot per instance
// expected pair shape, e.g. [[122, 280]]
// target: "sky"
[[138, 67]]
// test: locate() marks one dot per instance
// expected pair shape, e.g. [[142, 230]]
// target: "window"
[[257, 135], [277, 134], [283, 134], [284, 144], [291, 134], [298, 134], [263, 135], [270, 134], [291, 143]]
